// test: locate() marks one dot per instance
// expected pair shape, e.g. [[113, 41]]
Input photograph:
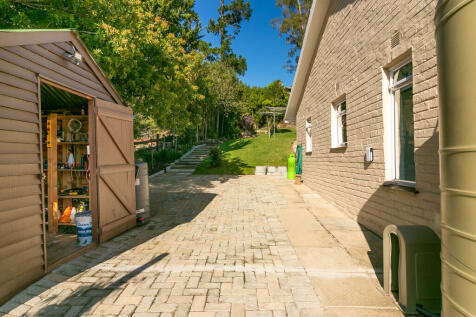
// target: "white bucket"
[[84, 228]]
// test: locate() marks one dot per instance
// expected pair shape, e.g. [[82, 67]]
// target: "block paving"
[[219, 247]]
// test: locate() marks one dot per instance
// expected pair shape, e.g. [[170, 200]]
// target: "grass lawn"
[[241, 156]]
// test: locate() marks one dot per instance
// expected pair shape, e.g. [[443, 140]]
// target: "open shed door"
[[115, 169]]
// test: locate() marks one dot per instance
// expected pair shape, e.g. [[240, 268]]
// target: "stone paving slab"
[[217, 246]]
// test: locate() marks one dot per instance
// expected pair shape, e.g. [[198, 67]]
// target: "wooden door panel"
[[108, 151], [115, 169]]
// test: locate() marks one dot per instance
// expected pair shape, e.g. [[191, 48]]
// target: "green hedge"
[[157, 160]]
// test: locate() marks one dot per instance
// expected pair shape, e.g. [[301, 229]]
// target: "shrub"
[[157, 160], [215, 156]]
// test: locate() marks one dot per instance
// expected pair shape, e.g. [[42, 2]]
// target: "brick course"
[[354, 47]]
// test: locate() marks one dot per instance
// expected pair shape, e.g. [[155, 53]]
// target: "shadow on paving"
[[166, 185], [174, 200], [97, 293]]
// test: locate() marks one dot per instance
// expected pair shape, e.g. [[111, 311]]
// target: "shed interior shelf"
[[73, 197], [66, 165]]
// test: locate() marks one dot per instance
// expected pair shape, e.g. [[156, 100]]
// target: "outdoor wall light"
[[74, 57], [369, 154]]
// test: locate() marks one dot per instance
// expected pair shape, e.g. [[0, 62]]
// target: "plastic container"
[[455, 22], [291, 166], [84, 228]]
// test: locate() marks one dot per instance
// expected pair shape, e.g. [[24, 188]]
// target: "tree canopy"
[[292, 26], [146, 47], [227, 26], [153, 53]]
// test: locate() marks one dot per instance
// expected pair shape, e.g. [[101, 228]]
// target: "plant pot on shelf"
[[298, 179]]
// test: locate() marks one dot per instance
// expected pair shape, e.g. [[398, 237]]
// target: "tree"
[[227, 26], [256, 99], [219, 85], [292, 26], [146, 47]]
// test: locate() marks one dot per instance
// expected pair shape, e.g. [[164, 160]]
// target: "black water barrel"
[[142, 192]]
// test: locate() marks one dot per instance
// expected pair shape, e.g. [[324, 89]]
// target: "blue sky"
[[258, 42]]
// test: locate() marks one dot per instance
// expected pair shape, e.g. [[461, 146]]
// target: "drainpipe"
[[456, 49]]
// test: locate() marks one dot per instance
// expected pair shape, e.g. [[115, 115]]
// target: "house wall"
[[21, 220], [354, 48]]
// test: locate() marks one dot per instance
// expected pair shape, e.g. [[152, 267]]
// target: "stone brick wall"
[[354, 48]]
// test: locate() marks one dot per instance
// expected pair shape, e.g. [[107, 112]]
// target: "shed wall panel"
[[17, 71], [20, 126], [21, 222], [13, 214], [18, 137], [19, 282], [18, 82], [15, 103], [21, 115], [16, 148], [33, 58], [12, 249], [21, 180], [29, 258]]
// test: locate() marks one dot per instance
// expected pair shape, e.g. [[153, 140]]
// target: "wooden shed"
[[66, 143]]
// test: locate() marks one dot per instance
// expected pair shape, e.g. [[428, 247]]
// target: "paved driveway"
[[222, 246]]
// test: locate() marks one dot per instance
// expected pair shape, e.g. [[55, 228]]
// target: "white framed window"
[[339, 124], [308, 135], [399, 124]]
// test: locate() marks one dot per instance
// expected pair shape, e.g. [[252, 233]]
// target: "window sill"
[[406, 186], [339, 146]]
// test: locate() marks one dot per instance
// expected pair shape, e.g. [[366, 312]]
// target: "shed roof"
[[41, 36], [314, 30]]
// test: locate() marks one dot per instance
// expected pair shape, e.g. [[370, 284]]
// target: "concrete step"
[[189, 162], [180, 171], [183, 167]]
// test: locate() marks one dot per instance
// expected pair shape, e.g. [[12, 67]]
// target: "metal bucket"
[[142, 192], [84, 228]]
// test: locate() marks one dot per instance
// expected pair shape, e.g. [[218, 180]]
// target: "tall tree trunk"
[[206, 126], [222, 31], [174, 139], [218, 123], [196, 134], [222, 123]]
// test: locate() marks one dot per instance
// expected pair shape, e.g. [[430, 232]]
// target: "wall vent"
[[395, 39]]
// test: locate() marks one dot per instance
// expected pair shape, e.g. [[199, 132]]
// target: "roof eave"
[[312, 37], [10, 37]]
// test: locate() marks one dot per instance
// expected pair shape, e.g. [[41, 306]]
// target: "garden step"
[[180, 171], [189, 162], [185, 167]]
